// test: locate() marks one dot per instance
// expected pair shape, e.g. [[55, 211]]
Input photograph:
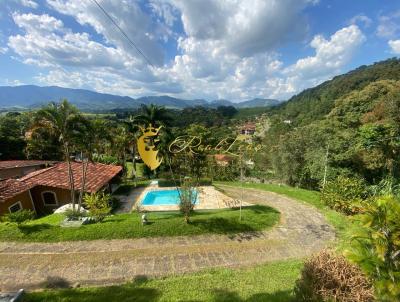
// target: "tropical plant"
[[20, 217], [74, 214], [330, 277], [188, 197], [154, 115], [65, 122], [98, 205], [375, 245], [133, 125], [344, 194]]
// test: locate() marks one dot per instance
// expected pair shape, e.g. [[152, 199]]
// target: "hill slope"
[[314, 103]]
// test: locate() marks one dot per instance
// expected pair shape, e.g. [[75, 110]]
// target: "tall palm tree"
[[154, 115], [64, 121], [134, 132]]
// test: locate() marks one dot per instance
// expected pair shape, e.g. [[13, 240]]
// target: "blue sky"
[[212, 49]]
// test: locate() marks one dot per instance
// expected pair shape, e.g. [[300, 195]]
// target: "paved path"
[[301, 231]]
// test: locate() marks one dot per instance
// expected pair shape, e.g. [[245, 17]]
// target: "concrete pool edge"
[[209, 199]]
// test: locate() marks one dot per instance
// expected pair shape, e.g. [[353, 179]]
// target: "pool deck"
[[209, 198]]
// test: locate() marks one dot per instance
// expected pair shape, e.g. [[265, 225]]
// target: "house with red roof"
[[248, 129], [46, 189]]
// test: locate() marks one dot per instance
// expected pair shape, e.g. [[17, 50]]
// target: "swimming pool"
[[163, 198]]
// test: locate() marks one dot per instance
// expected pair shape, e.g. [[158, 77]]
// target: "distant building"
[[44, 190], [287, 122], [248, 129], [223, 159]]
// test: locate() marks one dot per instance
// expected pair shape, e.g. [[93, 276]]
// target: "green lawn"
[[270, 282], [47, 229], [336, 219], [267, 283]]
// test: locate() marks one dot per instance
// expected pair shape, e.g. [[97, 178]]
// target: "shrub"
[[98, 205], [375, 245], [20, 216], [74, 214], [329, 277], [344, 194], [188, 197], [105, 159]]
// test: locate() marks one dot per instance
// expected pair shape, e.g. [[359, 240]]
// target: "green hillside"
[[356, 133], [314, 103]]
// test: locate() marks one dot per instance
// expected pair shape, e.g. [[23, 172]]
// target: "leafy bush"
[[98, 205], [375, 246], [188, 197], [344, 194], [329, 277], [74, 214], [177, 182], [20, 216], [105, 159]]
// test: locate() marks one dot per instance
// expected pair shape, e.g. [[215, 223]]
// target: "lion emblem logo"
[[147, 147]]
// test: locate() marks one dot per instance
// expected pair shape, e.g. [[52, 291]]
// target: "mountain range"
[[31, 96]]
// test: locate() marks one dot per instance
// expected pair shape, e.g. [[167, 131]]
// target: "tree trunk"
[[85, 165], [70, 176]]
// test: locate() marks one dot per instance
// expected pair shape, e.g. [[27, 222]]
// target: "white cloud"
[[330, 55], [138, 25], [246, 27], [389, 25], [37, 23], [47, 42], [165, 11], [29, 3], [395, 46], [361, 19]]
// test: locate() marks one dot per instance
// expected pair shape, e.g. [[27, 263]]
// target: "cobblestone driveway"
[[301, 231]]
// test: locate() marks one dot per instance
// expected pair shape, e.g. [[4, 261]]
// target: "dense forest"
[[347, 126]]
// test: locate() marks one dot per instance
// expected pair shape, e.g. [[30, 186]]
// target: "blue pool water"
[[162, 198]]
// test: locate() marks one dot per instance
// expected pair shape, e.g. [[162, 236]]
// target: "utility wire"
[[123, 32]]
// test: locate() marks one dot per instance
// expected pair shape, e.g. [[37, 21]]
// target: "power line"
[[123, 32]]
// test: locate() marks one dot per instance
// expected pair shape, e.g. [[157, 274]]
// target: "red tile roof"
[[11, 187], [248, 126], [8, 164], [57, 176], [223, 157]]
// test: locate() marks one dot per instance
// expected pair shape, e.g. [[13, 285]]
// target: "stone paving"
[[127, 201], [301, 231]]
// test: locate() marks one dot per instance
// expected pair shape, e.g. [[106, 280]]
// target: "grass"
[[339, 221], [271, 282], [47, 229]]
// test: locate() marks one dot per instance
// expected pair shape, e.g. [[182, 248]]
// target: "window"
[[15, 207], [49, 198]]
